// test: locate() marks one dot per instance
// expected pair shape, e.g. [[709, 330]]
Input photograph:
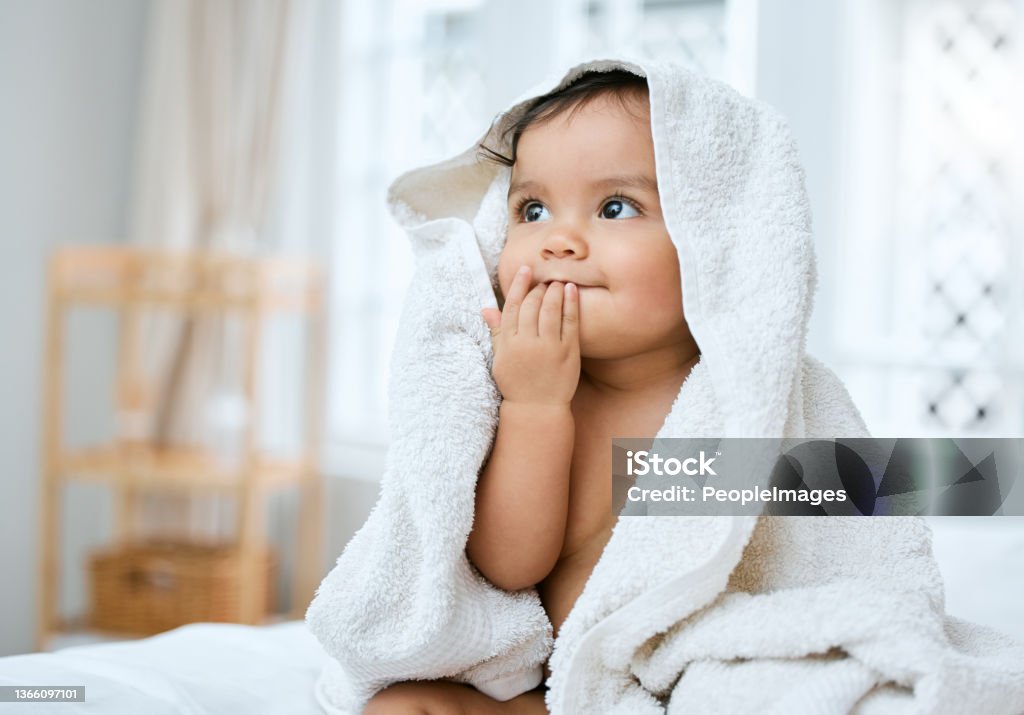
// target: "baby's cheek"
[[651, 290], [507, 267], [500, 290], [659, 300]]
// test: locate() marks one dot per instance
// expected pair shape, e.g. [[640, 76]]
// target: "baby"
[[590, 344]]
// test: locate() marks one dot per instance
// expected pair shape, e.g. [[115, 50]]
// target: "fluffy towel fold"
[[694, 614]]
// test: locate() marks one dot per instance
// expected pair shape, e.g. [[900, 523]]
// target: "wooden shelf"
[[207, 281], [175, 468], [195, 288]]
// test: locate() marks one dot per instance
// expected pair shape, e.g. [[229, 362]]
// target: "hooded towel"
[[680, 614]]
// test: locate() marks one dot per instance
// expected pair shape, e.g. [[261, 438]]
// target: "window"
[[932, 282]]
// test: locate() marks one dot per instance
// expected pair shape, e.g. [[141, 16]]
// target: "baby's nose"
[[562, 252], [562, 243]]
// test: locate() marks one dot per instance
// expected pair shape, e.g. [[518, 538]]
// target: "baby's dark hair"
[[590, 85]]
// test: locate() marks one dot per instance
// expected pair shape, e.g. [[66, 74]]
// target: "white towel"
[[695, 614]]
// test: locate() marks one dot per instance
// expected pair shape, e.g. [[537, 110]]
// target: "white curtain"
[[217, 82], [214, 94]]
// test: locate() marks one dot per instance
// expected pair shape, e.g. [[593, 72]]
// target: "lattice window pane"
[[956, 199], [452, 82]]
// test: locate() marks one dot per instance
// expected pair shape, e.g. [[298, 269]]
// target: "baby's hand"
[[536, 342]]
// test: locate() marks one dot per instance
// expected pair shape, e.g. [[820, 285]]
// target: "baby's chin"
[[604, 347], [611, 341]]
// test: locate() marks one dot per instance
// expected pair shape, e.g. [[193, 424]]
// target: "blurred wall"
[[68, 87]]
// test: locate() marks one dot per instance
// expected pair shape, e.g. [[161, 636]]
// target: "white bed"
[[202, 668], [208, 668]]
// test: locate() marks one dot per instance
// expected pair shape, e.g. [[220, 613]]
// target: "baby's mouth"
[[578, 285]]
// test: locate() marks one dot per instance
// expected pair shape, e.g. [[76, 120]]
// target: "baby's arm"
[[522, 497], [523, 492]]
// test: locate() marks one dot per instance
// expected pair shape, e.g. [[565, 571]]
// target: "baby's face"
[[584, 207]]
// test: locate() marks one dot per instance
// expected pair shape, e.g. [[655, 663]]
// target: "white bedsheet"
[[228, 668], [196, 669]]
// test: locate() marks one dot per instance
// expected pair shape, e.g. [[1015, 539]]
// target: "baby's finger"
[[549, 323], [571, 314], [528, 315], [492, 317], [514, 300]]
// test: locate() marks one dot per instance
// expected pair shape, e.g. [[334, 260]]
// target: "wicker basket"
[[153, 587]]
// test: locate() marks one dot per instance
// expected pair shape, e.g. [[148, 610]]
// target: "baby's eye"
[[533, 211], [616, 207]]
